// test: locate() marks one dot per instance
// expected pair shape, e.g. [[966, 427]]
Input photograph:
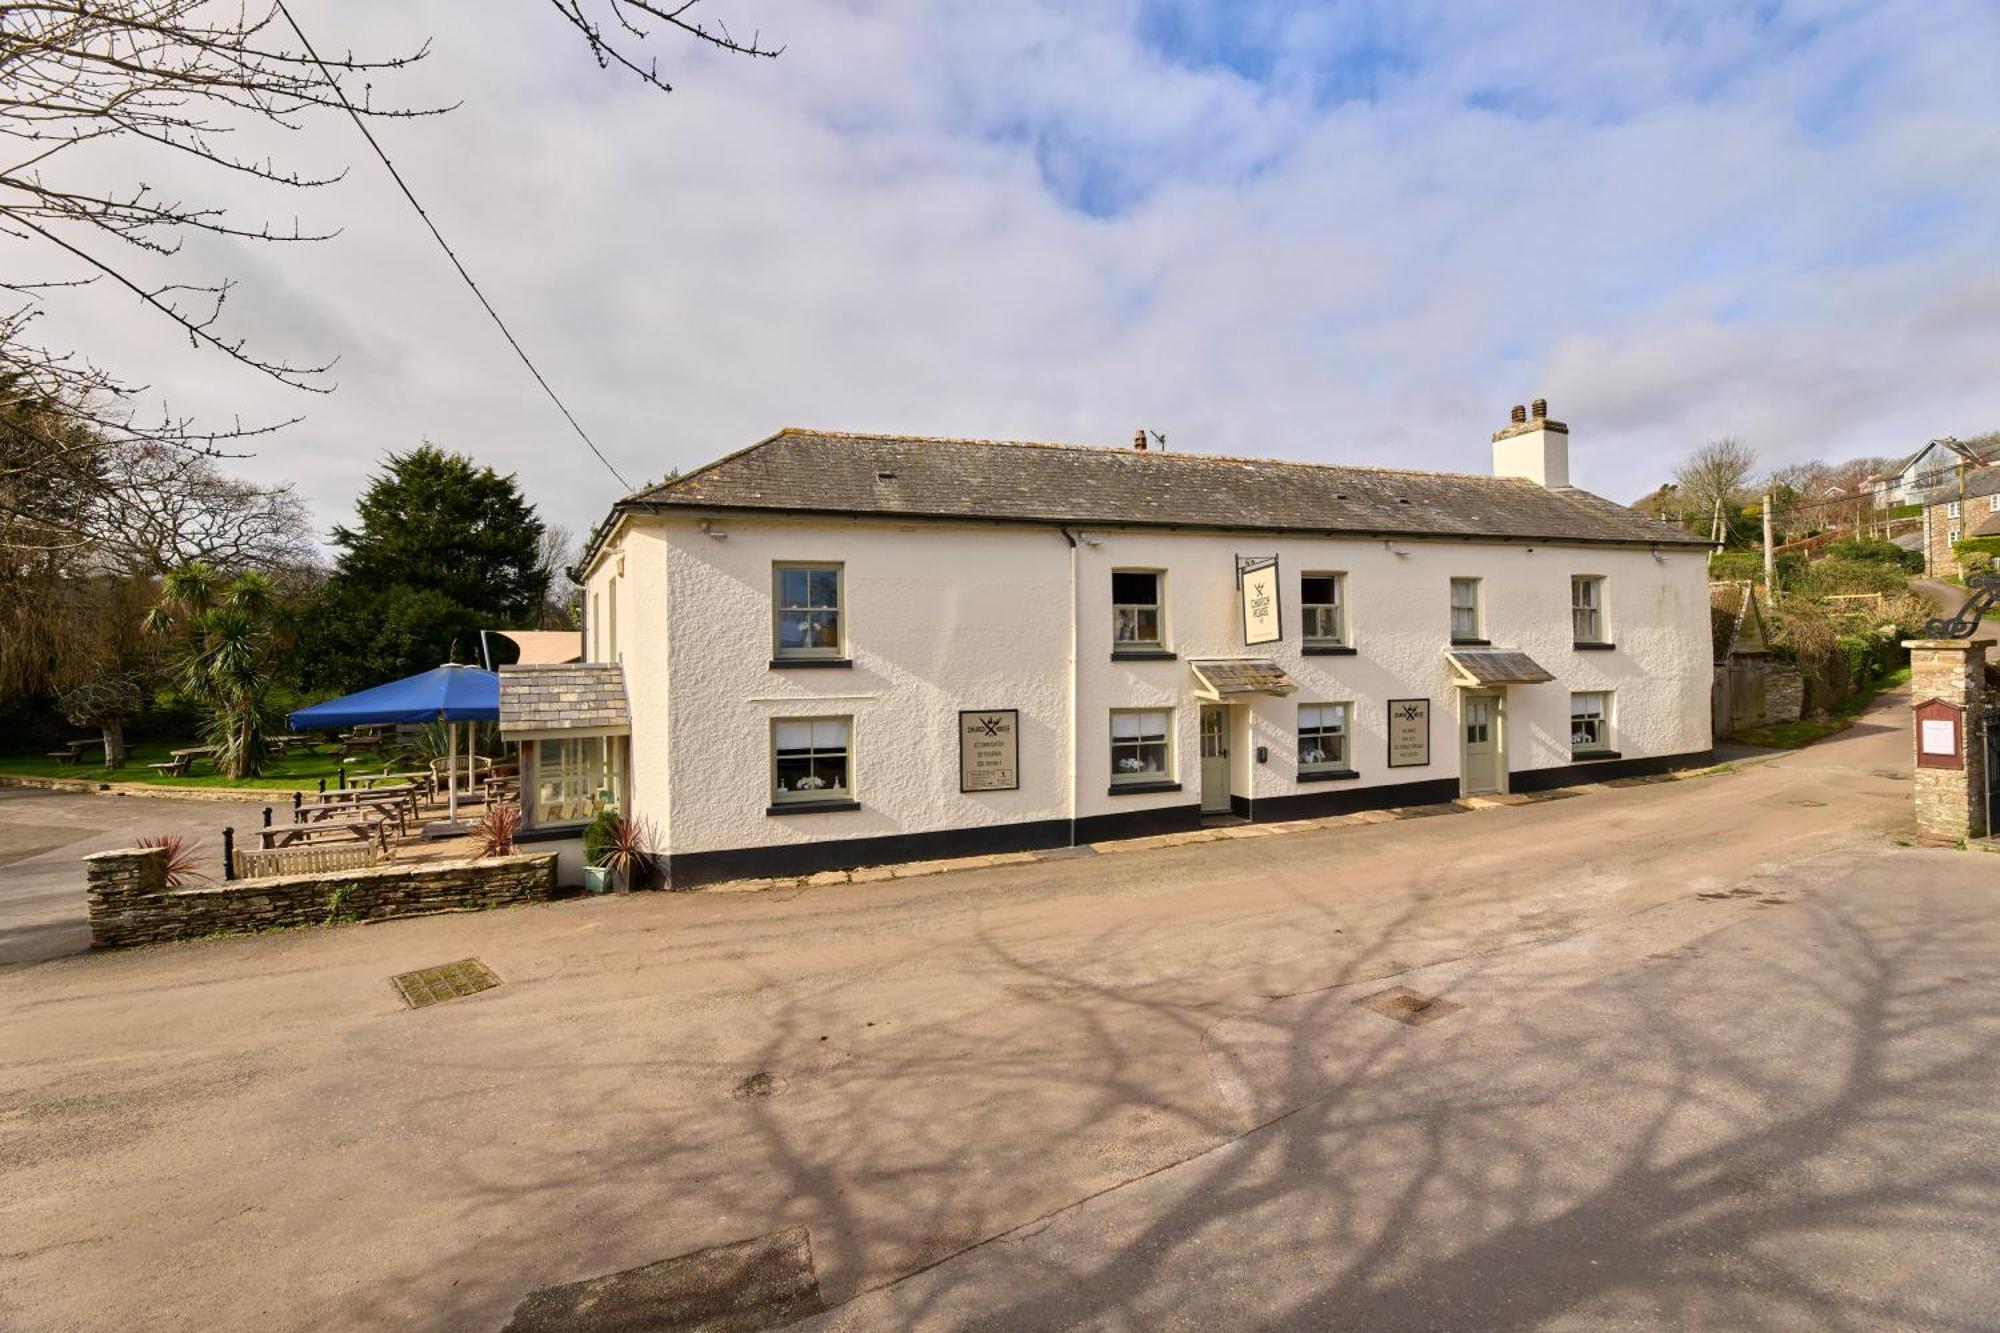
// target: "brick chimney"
[[1139, 440], [1532, 446]]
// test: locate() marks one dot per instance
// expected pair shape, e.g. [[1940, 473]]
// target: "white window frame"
[[1476, 608], [845, 749], [1951, 538], [1592, 607], [1143, 777], [1604, 716], [571, 764], [1338, 606], [779, 568], [1956, 509], [1341, 761], [1158, 606]]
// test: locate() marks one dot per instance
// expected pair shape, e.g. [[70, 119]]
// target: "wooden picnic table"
[[391, 810], [399, 803], [73, 750], [350, 830], [419, 780], [286, 740]]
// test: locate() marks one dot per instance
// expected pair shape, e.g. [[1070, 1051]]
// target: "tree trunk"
[[114, 743]]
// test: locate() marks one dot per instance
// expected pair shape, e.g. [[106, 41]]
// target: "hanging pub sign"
[[989, 749], [1409, 733], [1258, 578], [1940, 734]]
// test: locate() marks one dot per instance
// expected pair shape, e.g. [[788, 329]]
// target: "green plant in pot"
[[616, 852]]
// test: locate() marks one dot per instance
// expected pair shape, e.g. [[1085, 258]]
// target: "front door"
[[1215, 760], [1484, 765]]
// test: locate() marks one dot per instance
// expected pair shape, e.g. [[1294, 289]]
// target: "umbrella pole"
[[451, 771]]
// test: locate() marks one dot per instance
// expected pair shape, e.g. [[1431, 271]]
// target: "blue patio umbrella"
[[448, 694]]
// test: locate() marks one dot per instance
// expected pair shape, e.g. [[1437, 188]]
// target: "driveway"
[[1704, 1023], [44, 835]]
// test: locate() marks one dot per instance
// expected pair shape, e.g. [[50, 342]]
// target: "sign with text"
[[1940, 734], [1409, 733], [989, 749], [1259, 581]]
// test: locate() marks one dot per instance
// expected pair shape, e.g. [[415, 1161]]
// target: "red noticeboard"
[[1940, 734]]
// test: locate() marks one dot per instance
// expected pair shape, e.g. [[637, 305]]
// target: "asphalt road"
[[1119, 1091]]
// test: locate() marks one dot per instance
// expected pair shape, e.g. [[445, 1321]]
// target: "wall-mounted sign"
[[1940, 734], [1258, 578], [1409, 733], [989, 749]]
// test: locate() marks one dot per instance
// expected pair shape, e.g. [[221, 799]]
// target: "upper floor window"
[[1136, 602], [1956, 509], [1322, 606], [1590, 721], [1586, 608], [1465, 609], [1322, 738], [806, 610]]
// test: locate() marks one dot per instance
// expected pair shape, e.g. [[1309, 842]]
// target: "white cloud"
[[1674, 227]]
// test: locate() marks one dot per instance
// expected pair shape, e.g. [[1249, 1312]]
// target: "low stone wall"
[[130, 902], [1784, 695]]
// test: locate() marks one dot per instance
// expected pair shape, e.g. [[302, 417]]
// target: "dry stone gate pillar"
[[1949, 703]]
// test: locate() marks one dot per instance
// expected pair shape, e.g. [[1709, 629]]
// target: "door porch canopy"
[[1484, 668], [1221, 679]]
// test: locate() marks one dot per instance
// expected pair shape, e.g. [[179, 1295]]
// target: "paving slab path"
[[928, 1073]]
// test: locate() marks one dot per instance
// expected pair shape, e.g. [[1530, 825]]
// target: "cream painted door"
[[1215, 760], [1484, 763]]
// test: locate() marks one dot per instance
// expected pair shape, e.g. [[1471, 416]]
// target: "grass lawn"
[[1793, 735], [287, 772]]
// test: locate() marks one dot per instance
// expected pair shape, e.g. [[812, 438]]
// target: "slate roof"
[[1244, 675], [1499, 666], [828, 472], [572, 696], [1979, 481]]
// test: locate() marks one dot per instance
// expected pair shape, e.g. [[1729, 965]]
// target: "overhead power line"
[[334, 85]]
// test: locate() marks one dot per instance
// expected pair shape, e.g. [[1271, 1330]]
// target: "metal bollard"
[[298, 800], [267, 816], [322, 786], [228, 853]]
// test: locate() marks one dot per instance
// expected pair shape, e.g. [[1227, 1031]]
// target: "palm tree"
[[231, 633]]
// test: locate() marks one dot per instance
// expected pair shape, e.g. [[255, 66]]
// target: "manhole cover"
[[447, 982], [1408, 1006], [760, 1086], [742, 1287]]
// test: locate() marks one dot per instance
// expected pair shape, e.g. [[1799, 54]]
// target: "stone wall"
[[1784, 695], [131, 904]]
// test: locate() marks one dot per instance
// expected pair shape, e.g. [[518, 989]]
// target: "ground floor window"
[[1590, 721], [1322, 738], [1140, 751], [574, 778], [810, 759]]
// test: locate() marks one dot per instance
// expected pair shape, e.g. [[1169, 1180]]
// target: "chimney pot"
[[1541, 408], [1519, 415], [1139, 440]]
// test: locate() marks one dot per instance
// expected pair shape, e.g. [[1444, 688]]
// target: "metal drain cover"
[[742, 1287], [449, 981], [1408, 1006]]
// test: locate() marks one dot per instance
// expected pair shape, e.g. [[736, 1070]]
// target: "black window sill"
[[785, 663], [1472, 643], [1330, 775], [1584, 756], [550, 833], [1595, 647], [1135, 788], [1142, 655], [1326, 650], [811, 807]]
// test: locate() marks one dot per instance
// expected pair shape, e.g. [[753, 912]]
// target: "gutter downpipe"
[[1069, 701]]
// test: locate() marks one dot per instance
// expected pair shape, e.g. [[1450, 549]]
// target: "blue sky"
[[1353, 232]]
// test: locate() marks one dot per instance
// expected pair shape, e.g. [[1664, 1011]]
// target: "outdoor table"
[[73, 752], [350, 830], [400, 802], [419, 781], [191, 753], [396, 810]]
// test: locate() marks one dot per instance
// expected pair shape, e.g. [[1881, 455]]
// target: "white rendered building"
[[842, 650]]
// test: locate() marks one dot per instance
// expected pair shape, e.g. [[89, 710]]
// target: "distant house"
[[1927, 469], [1967, 506]]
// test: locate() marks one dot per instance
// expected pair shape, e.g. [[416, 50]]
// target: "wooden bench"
[[304, 860], [73, 752]]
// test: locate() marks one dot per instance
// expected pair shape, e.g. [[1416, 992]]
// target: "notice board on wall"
[[989, 749]]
